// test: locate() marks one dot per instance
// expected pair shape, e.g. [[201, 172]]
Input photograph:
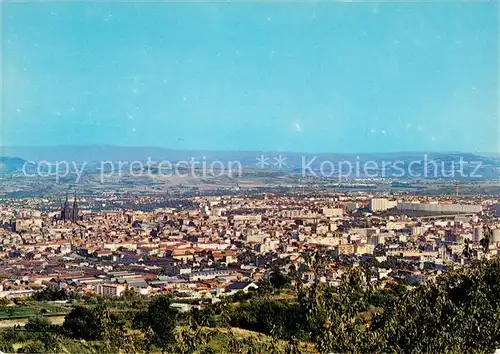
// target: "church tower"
[[65, 209], [74, 210]]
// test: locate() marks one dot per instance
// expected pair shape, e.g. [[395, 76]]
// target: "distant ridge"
[[128, 153], [11, 164]]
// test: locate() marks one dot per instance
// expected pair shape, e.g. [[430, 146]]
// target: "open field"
[[21, 321], [19, 315]]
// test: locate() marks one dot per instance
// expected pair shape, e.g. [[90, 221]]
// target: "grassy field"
[[16, 312], [21, 321], [18, 315]]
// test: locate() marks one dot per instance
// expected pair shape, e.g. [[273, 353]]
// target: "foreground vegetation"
[[460, 312]]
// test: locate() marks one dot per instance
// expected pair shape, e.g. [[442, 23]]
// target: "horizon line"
[[2, 147]]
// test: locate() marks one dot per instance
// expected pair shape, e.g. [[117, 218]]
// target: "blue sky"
[[323, 77]]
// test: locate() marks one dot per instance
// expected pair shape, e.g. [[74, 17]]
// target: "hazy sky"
[[324, 77]]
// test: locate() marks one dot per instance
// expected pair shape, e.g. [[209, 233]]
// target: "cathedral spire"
[[74, 210], [65, 209]]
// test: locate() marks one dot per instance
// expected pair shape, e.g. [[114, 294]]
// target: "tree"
[[50, 341], [38, 324], [189, 340], [485, 241], [8, 337], [82, 323], [158, 321], [90, 324], [265, 286], [199, 317], [129, 294], [281, 318], [333, 314], [215, 315], [278, 279], [32, 347], [51, 294], [467, 252], [460, 312]]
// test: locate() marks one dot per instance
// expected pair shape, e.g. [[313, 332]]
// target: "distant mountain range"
[[95, 153], [292, 161], [11, 164]]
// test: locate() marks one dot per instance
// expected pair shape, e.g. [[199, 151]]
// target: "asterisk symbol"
[[280, 161], [262, 161]]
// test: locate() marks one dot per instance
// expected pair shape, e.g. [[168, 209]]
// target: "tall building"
[[380, 204], [69, 212], [441, 207]]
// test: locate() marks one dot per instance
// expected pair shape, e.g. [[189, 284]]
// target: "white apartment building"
[[381, 204], [110, 289]]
